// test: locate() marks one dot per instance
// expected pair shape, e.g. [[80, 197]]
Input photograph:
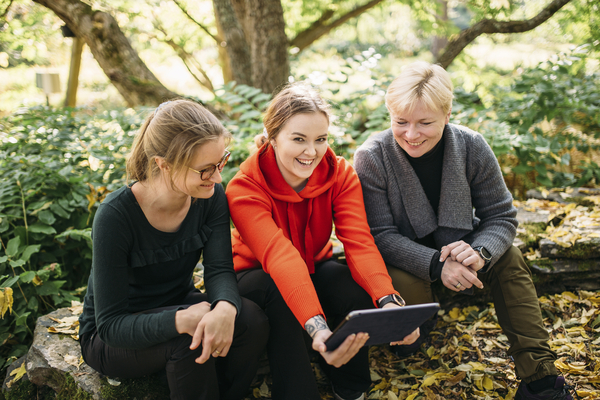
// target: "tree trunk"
[[464, 38], [235, 42], [269, 47], [440, 42], [119, 61]]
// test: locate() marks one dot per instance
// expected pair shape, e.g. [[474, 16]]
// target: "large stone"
[[52, 356]]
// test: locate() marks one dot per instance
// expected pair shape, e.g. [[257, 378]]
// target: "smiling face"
[[300, 146], [419, 131], [207, 155]]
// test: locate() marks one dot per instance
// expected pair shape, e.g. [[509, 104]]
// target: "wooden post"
[[76, 50]]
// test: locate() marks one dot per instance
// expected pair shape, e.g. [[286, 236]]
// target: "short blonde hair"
[[174, 131], [422, 82]]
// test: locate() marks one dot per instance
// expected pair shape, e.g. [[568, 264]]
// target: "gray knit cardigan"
[[475, 204]]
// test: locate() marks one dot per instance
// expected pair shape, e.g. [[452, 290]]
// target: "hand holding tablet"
[[383, 325]]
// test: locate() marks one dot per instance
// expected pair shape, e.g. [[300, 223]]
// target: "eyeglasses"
[[207, 173]]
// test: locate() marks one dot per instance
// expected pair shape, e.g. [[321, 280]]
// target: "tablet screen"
[[384, 325]]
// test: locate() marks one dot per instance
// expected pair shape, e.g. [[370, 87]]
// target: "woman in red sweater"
[[284, 202]]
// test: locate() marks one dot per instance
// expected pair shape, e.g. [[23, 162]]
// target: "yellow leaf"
[[6, 301], [477, 366], [454, 313], [17, 373], [37, 281], [431, 351], [412, 396], [488, 383], [429, 381], [381, 385]]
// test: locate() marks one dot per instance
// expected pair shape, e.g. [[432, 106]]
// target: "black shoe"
[[347, 394], [560, 391]]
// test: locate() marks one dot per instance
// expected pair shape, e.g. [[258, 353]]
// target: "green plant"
[[56, 167]]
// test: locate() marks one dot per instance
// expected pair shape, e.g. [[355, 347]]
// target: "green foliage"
[[56, 166], [545, 126], [28, 33], [244, 106]]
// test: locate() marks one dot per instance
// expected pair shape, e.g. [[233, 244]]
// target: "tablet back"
[[384, 325]]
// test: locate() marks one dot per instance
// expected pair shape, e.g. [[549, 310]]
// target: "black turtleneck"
[[428, 168]]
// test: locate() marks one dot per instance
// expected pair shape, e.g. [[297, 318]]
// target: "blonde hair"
[[293, 99], [174, 131], [422, 82]]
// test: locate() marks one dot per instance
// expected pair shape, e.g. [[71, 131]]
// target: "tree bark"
[[119, 61], [269, 47], [320, 27], [440, 42], [464, 38], [236, 43]]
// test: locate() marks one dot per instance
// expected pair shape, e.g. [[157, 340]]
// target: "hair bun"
[[259, 140]]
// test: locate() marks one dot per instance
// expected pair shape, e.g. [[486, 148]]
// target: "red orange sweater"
[[288, 232]]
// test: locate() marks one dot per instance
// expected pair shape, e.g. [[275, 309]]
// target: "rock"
[[532, 217], [563, 195], [583, 249], [53, 355]]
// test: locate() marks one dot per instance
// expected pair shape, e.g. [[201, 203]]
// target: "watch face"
[[485, 254], [399, 300]]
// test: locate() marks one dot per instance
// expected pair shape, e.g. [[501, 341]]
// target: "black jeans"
[[289, 356], [219, 378]]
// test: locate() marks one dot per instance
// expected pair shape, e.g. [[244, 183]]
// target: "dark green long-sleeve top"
[[136, 267]]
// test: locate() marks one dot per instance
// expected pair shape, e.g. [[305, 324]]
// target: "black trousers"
[[218, 378], [288, 345]]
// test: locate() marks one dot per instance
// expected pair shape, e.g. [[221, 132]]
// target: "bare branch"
[[320, 27], [464, 38], [216, 38], [192, 65]]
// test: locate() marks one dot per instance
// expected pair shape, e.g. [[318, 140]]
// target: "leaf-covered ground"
[[465, 356]]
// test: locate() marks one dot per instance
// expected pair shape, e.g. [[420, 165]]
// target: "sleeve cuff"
[[435, 267]]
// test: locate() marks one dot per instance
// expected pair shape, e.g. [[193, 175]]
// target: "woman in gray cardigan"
[[438, 208]]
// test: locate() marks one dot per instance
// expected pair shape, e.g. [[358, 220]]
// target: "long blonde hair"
[[174, 131]]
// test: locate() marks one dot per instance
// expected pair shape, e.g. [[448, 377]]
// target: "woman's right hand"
[[317, 328], [344, 352], [187, 320]]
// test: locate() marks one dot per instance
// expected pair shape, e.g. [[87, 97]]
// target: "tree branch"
[[5, 12], [188, 60], [320, 27], [216, 38], [464, 38]]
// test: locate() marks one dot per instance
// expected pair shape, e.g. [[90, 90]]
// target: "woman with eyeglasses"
[[142, 314], [284, 202]]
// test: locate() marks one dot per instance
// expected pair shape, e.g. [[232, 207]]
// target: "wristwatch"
[[391, 298], [483, 253]]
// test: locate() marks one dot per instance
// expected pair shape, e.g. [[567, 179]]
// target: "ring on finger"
[[458, 285], [217, 352]]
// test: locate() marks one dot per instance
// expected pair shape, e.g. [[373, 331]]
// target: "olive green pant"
[[517, 308]]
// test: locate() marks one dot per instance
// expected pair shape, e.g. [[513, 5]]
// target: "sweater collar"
[[262, 167], [452, 214]]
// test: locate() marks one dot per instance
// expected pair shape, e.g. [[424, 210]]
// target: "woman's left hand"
[[463, 253], [215, 332], [410, 339]]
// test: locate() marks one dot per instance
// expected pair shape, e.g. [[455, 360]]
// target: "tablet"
[[384, 325]]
